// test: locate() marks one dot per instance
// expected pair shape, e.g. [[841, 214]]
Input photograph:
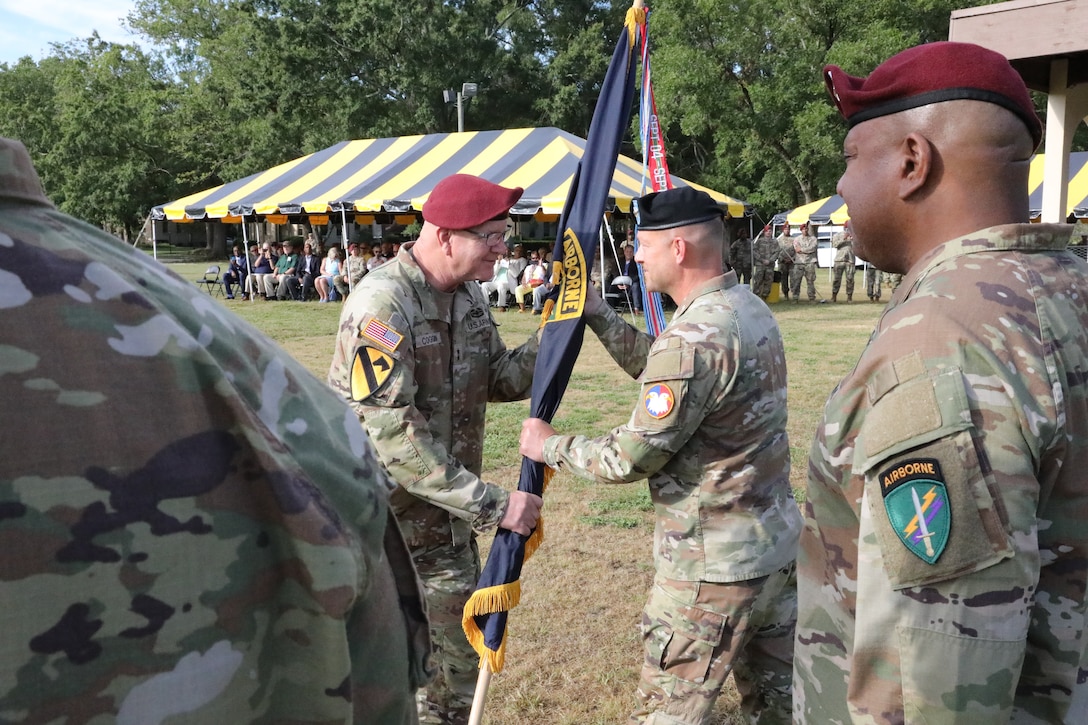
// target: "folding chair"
[[211, 281], [621, 300]]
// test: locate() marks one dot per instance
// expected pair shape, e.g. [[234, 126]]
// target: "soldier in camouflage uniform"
[[845, 263], [764, 255], [709, 432], [804, 264], [419, 356], [874, 282], [942, 573], [193, 529], [894, 280], [740, 257], [786, 259]]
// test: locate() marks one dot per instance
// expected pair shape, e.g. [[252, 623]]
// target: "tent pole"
[[245, 251], [344, 236], [154, 241]]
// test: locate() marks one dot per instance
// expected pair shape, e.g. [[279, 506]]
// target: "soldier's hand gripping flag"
[[499, 589]]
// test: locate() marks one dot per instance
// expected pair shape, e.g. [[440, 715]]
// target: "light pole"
[[468, 90]]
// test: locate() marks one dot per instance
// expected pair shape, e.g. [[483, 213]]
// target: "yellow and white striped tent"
[[395, 175], [832, 210]]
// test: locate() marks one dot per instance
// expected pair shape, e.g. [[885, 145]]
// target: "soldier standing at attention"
[[740, 256], [786, 259], [212, 540], [845, 263], [804, 266], [942, 574], [709, 431], [874, 282], [764, 255]]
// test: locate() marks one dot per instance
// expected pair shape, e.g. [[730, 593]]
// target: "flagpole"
[[483, 682], [498, 589]]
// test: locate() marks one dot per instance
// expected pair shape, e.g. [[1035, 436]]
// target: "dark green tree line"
[[220, 89]]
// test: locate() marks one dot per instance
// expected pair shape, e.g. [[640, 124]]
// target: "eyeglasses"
[[490, 238]]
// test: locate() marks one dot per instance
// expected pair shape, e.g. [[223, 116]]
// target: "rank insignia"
[[381, 333], [916, 500], [658, 401], [369, 370]]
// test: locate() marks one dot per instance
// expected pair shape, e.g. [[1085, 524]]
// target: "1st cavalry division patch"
[[916, 500], [369, 370]]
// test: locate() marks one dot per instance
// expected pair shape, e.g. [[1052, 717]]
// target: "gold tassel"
[[500, 598]]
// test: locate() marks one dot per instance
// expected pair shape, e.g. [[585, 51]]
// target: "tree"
[[740, 86]]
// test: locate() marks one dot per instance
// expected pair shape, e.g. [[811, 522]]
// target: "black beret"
[[676, 208]]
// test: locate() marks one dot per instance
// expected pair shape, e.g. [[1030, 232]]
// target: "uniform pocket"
[[953, 682], [680, 641]]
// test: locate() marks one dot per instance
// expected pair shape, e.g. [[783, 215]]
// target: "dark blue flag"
[[499, 587]]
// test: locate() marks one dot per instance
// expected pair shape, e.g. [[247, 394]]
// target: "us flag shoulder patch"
[[382, 334]]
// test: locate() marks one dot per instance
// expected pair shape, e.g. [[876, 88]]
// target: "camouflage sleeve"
[[205, 543], [947, 533], [511, 376], [670, 410], [415, 458], [627, 346]]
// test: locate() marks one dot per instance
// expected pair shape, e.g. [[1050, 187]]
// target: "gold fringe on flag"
[[502, 598]]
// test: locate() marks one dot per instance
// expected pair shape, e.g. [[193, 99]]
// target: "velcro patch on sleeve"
[[380, 333]]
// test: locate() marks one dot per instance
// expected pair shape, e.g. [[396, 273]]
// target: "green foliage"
[[232, 87]]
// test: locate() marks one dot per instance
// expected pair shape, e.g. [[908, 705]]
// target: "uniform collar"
[[1006, 237], [720, 283]]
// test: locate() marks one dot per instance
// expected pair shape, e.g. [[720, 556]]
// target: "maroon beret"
[[463, 201], [933, 73]]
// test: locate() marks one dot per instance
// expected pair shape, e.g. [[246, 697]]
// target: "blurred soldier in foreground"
[[419, 356], [709, 431], [845, 263], [942, 574], [192, 527]]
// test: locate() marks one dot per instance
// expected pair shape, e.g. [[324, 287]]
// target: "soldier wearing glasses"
[[418, 356]]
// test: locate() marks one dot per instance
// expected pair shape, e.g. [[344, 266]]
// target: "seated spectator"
[[236, 271], [356, 269], [533, 277], [309, 267], [265, 264], [378, 257], [541, 291], [330, 268], [500, 283], [275, 284], [629, 293]]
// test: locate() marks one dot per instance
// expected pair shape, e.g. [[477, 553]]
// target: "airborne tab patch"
[[917, 503], [658, 401]]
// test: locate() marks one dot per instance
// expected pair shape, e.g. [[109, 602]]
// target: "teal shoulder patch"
[[916, 500]]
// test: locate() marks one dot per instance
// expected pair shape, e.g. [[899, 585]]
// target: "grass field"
[[573, 650]]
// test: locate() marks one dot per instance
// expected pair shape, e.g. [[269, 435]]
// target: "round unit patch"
[[658, 401]]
